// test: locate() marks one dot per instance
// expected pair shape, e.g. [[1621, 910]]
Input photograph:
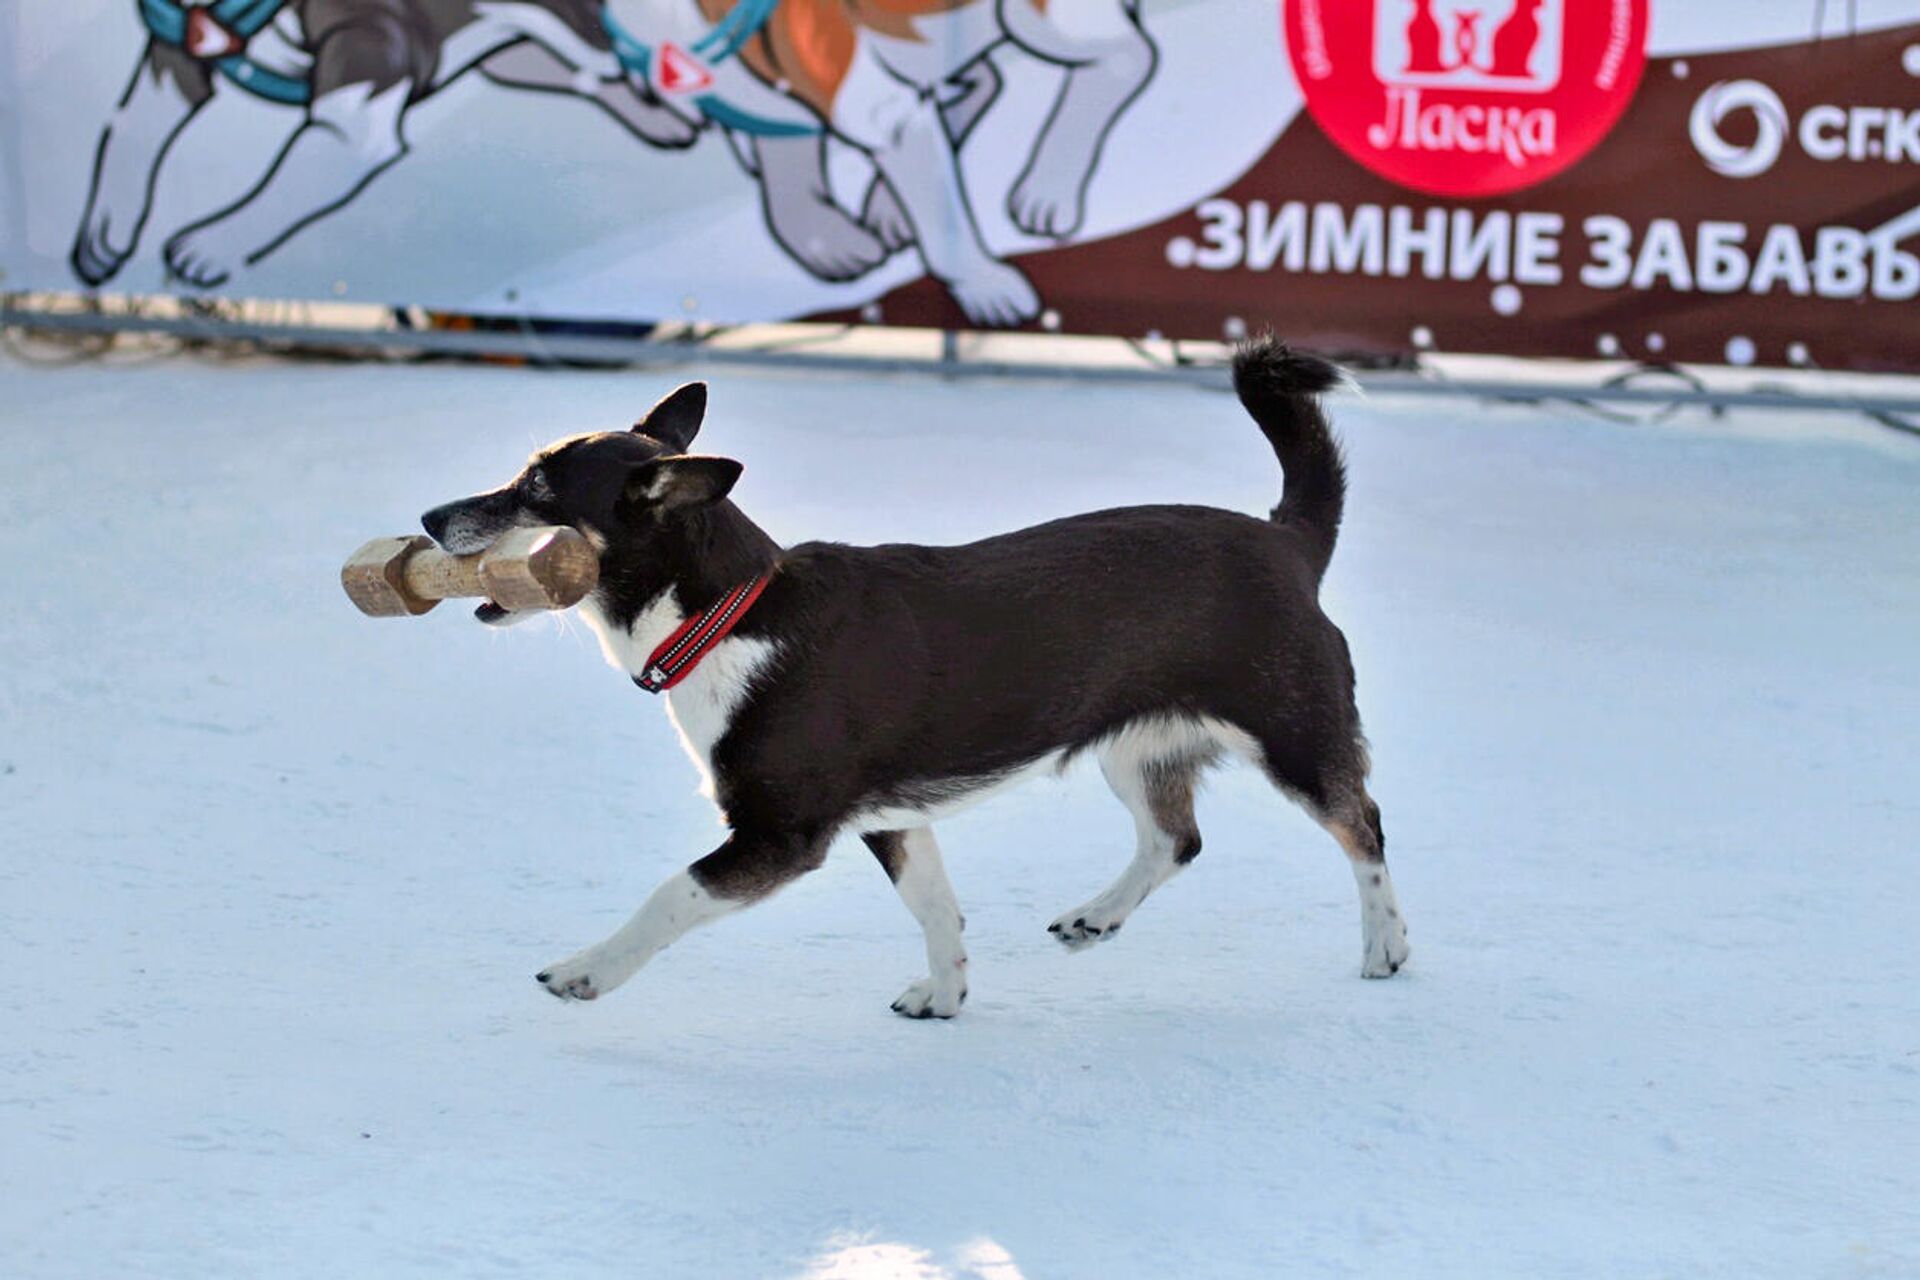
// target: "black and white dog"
[[825, 688]]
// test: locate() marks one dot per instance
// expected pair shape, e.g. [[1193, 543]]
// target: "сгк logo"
[[1722, 100], [1467, 97]]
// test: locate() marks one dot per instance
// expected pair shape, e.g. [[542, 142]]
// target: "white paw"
[[996, 295], [1081, 928], [201, 256], [1386, 946], [95, 260], [924, 1000], [1041, 204], [884, 217], [829, 244], [581, 977]]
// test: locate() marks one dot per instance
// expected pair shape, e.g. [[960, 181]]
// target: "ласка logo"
[[1467, 97]]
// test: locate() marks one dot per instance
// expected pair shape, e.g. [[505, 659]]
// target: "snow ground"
[[276, 877]]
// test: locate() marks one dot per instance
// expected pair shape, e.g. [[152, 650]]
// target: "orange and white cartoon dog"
[[905, 81]]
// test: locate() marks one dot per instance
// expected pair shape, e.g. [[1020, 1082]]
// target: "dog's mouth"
[[493, 615]]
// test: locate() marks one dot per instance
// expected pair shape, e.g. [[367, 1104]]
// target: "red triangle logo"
[[680, 71], [206, 38]]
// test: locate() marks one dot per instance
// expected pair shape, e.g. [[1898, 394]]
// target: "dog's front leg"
[[899, 125], [747, 868], [363, 79], [168, 88], [911, 860], [979, 85]]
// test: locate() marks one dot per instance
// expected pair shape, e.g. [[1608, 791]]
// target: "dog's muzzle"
[[466, 528]]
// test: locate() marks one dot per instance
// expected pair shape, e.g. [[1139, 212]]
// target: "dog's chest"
[[938, 40], [703, 704]]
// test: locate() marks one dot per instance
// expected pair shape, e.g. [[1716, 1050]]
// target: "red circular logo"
[[1467, 97]]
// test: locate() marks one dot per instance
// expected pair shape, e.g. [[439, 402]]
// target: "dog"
[[823, 688], [356, 67], [902, 80], [905, 82]]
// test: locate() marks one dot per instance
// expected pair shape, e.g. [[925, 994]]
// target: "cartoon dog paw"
[[838, 248], [829, 244], [996, 295], [651, 119], [1042, 204], [201, 256], [884, 217], [94, 259]]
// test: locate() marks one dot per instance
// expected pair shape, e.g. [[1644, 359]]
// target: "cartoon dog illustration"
[[356, 66], [904, 81]]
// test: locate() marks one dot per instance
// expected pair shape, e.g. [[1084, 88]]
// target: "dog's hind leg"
[[1383, 930], [1157, 788], [1109, 60], [1330, 785], [168, 88], [747, 868], [911, 860]]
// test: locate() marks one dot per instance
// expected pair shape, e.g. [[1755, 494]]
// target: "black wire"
[[1885, 417], [220, 344], [76, 348], [793, 344], [1139, 348]]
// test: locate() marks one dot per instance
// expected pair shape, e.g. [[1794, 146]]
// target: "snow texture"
[[275, 878]]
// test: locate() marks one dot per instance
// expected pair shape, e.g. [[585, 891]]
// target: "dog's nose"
[[435, 521]]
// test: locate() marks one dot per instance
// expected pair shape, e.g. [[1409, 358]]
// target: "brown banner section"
[[1757, 206]]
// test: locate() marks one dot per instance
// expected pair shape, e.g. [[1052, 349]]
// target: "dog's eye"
[[537, 483]]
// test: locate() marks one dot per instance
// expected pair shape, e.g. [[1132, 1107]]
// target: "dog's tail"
[[1281, 389]]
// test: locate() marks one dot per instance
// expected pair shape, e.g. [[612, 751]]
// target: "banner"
[[1701, 180]]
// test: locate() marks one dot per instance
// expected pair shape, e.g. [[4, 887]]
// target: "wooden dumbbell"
[[549, 568]]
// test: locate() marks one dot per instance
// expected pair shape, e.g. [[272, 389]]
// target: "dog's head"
[[623, 490]]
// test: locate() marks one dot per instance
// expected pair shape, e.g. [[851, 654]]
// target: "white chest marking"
[[702, 705], [940, 44]]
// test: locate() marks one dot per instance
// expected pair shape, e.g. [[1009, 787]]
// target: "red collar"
[[693, 639]]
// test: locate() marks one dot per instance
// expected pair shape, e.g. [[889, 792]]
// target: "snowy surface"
[[275, 878]]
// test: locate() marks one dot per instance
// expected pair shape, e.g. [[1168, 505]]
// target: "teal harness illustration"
[[167, 21], [719, 44]]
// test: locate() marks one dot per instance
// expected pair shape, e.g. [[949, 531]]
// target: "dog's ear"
[[676, 483], [676, 420]]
